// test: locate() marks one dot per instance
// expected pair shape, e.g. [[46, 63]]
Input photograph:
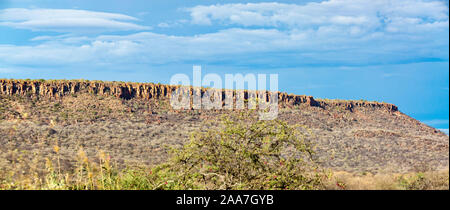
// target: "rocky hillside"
[[133, 122]]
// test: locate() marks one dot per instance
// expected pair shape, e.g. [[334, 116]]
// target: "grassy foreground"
[[243, 154]]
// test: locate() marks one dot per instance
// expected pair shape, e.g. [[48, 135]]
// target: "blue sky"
[[392, 51]]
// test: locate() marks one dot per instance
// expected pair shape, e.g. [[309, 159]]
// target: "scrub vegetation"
[[90, 141]]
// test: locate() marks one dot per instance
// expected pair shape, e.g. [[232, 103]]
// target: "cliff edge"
[[128, 90]]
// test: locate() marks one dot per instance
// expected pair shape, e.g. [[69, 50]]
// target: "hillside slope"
[[133, 122]]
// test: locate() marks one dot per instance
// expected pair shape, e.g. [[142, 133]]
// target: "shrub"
[[243, 154], [424, 181]]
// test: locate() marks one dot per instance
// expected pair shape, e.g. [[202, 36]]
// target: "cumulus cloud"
[[67, 20], [369, 15]]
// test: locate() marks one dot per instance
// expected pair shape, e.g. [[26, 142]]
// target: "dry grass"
[[430, 180], [101, 173]]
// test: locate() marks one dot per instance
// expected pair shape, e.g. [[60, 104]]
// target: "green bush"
[[244, 154], [417, 182]]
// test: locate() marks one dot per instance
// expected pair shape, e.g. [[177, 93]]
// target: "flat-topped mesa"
[[123, 90]]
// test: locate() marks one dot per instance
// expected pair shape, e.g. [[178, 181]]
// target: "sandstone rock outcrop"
[[150, 91]]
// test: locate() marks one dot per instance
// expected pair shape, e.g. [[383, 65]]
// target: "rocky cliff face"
[[350, 105], [149, 91]]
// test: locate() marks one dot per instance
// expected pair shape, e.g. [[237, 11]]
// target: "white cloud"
[[436, 122], [233, 45], [62, 39], [369, 15], [67, 20], [6, 70], [171, 24], [145, 47], [445, 130], [163, 25], [338, 32]]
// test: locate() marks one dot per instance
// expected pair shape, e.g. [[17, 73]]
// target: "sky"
[[392, 51]]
